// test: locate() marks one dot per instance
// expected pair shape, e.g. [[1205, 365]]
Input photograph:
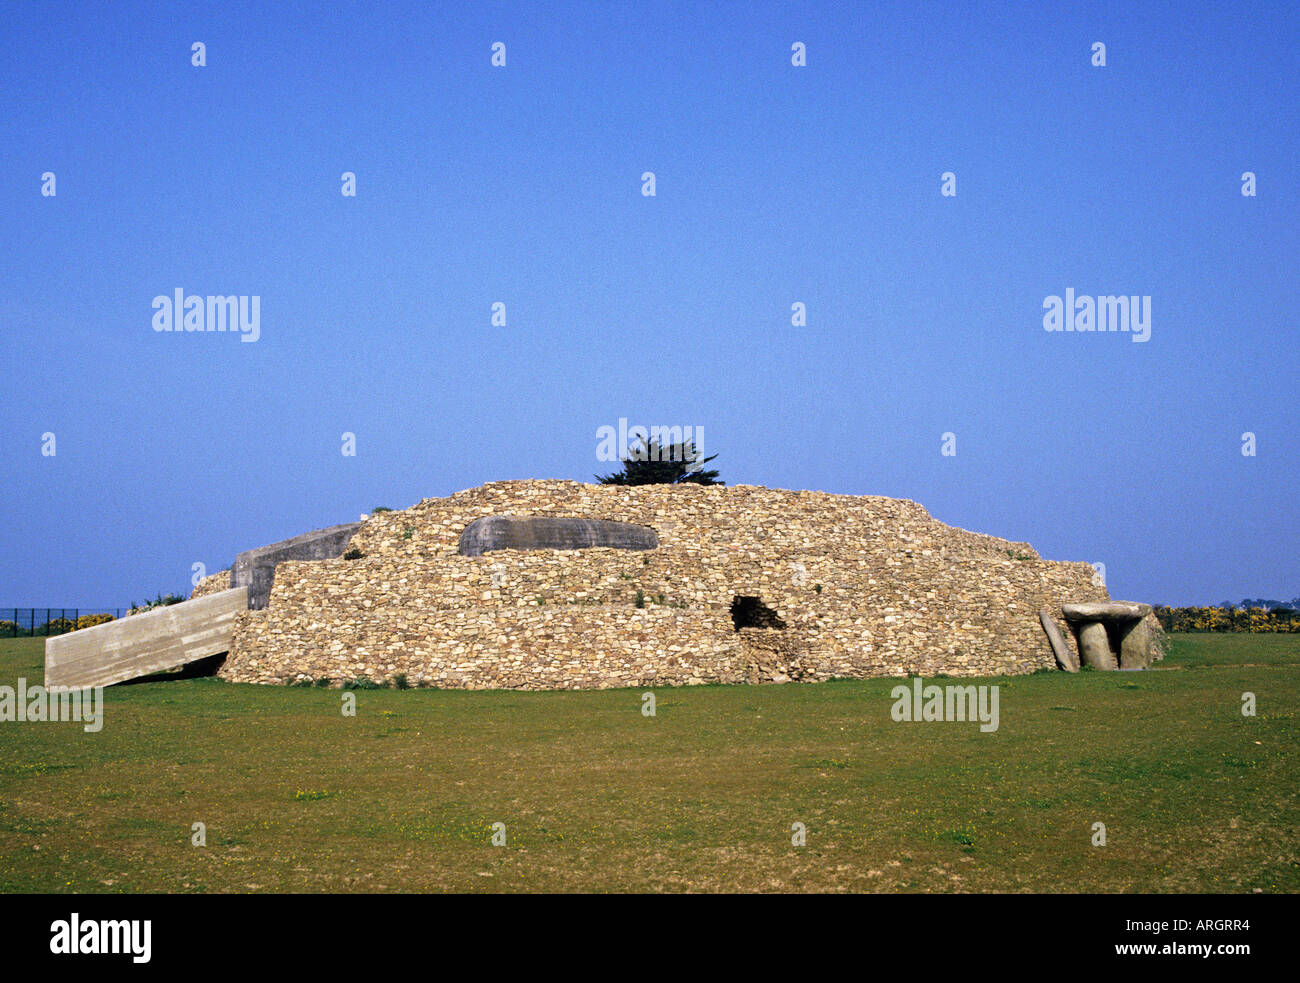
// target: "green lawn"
[[596, 797]]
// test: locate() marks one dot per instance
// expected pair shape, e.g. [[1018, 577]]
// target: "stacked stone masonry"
[[866, 586], [212, 584]]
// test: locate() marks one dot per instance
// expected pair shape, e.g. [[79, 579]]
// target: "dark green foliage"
[[162, 600], [673, 464]]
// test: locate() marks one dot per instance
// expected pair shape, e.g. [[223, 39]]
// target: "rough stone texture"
[[1065, 657], [501, 532], [1159, 640], [1137, 646], [1106, 611], [214, 583], [866, 586], [1135, 637], [255, 569], [1094, 646]]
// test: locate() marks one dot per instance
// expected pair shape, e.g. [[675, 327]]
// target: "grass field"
[[597, 797]]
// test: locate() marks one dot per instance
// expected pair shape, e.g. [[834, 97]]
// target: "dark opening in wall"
[[751, 612]]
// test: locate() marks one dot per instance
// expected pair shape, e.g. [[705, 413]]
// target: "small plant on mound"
[[353, 554], [380, 508], [161, 601]]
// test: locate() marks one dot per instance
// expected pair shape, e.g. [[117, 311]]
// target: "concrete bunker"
[[255, 569], [509, 532]]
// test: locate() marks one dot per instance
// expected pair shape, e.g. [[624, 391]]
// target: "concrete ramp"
[[164, 638]]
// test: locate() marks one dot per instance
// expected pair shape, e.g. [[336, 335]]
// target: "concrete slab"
[[255, 569], [164, 638], [509, 532]]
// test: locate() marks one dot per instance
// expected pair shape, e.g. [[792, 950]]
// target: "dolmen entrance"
[[1112, 635]]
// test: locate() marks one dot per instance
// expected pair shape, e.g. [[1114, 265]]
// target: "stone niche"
[[751, 612], [507, 532]]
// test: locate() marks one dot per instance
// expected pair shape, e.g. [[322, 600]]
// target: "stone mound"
[[746, 584]]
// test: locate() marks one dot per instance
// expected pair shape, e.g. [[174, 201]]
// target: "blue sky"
[[775, 184]]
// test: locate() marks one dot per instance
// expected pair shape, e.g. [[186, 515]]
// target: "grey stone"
[[255, 569], [1159, 640], [1137, 646], [1105, 611], [507, 532], [1065, 658], [1094, 646]]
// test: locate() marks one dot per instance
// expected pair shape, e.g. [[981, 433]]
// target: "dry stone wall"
[[212, 584], [866, 586]]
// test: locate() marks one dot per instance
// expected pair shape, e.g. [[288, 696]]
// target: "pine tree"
[[674, 464]]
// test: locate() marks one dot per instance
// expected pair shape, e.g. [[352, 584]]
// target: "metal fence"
[[25, 622]]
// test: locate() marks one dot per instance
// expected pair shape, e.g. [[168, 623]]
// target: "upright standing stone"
[[1137, 647], [1066, 659], [1094, 646]]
